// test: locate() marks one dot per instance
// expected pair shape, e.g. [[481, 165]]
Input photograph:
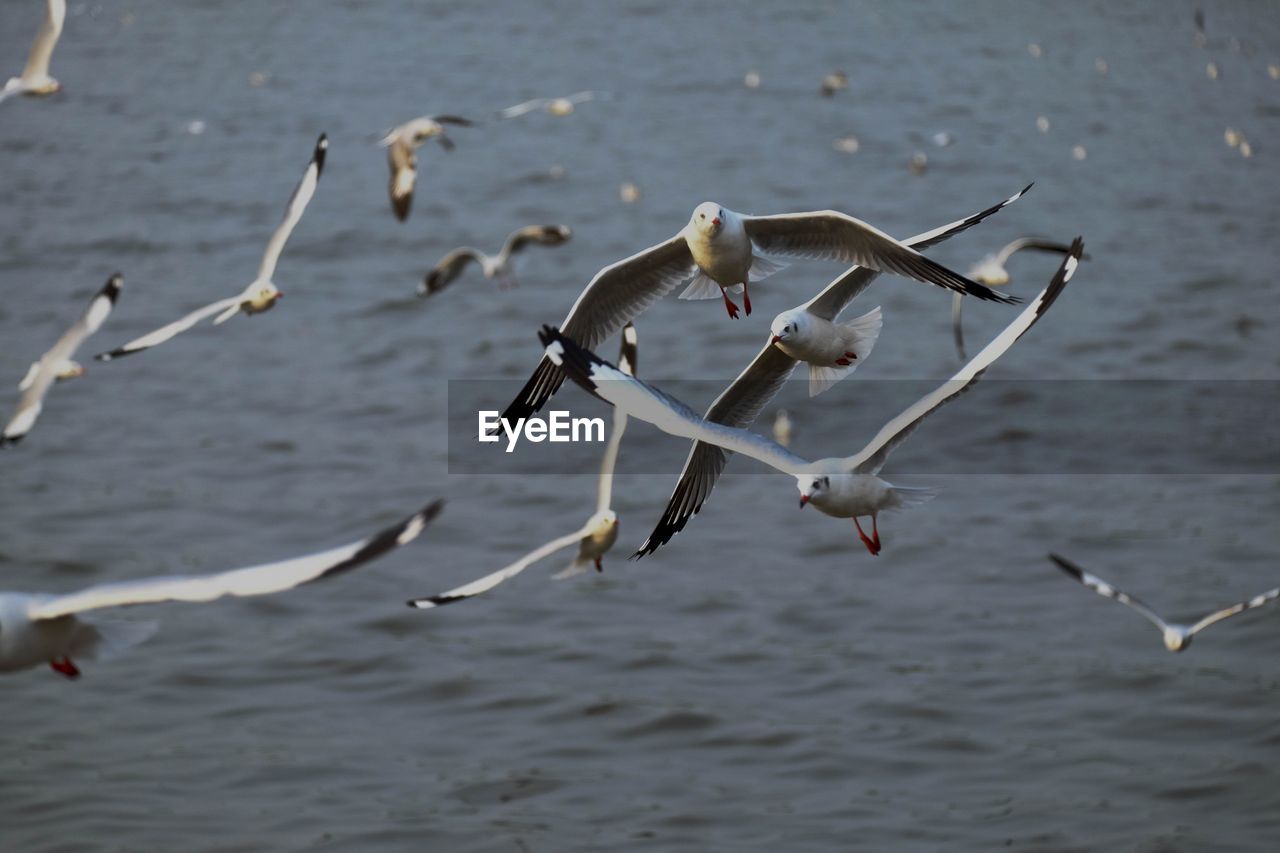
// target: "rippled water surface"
[[760, 684]]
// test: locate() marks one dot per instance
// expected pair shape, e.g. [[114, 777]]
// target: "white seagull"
[[719, 249], [992, 272], [1176, 636], [840, 487], [555, 106], [594, 539], [38, 628], [836, 81], [261, 294], [740, 403], [35, 79], [57, 364], [402, 143], [500, 266]]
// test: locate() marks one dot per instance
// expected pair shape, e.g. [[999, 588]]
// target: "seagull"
[[261, 294], [991, 272], [1176, 636], [840, 487], [718, 249], [834, 82], [38, 628], [782, 428], [494, 267], [56, 364], [555, 106], [594, 538], [740, 403], [401, 143], [35, 79]]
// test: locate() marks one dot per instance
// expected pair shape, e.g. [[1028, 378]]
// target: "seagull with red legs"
[[842, 487]]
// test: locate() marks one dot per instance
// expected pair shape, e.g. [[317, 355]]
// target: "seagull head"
[[263, 298], [1176, 638], [708, 218], [812, 487], [69, 370], [788, 325], [991, 272]]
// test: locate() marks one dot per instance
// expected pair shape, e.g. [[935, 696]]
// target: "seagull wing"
[[543, 235], [647, 403], [1106, 590], [738, 406], [489, 581], [164, 333], [37, 66], [872, 458], [627, 364], [835, 296], [832, 236], [254, 580], [449, 268], [404, 174], [618, 294], [522, 108], [1033, 244], [1257, 601], [297, 204]]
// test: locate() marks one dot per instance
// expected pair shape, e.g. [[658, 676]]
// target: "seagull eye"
[[720, 213], [702, 216]]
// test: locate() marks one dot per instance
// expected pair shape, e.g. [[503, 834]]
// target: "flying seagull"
[[1176, 636], [555, 106], [38, 628], [498, 266], [57, 364], [991, 271], [261, 294], [720, 249], [594, 538], [402, 143], [740, 403], [840, 487], [35, 79]]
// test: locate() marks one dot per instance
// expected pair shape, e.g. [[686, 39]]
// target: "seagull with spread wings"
[[57, 364], [594, 539], [35, 79], [993, 272], [721, 250], [847, 487], [555, 106], [744, 399], [1177, 636], [261, 294], [402, 144], [38, 628], [499, 266]]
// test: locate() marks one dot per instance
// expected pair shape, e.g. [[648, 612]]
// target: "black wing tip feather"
[[435, 601], [546, 380], [1065, 271], [111, 289], [111, 355], [317, 157], [389, 538], [11, 440], [575, 361], [400, 206], [629, 349], [1068, 567]]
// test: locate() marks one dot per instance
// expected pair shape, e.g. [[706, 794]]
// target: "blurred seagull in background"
[[555, 106], [499, 267], [836, 81], [1176, 636], [261, 294], [991, 271], [35, 79], [594, 539], [57, 364], [840, 487], [38, 628], [402, 143]]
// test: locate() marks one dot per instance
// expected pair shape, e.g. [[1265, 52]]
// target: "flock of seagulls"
[[717, 253]]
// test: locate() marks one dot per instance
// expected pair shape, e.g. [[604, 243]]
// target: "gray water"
[[760, 684]]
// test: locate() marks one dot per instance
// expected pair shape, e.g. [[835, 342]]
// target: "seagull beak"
[[804, 499], [775, 339], [715, 222], [279, 293]]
